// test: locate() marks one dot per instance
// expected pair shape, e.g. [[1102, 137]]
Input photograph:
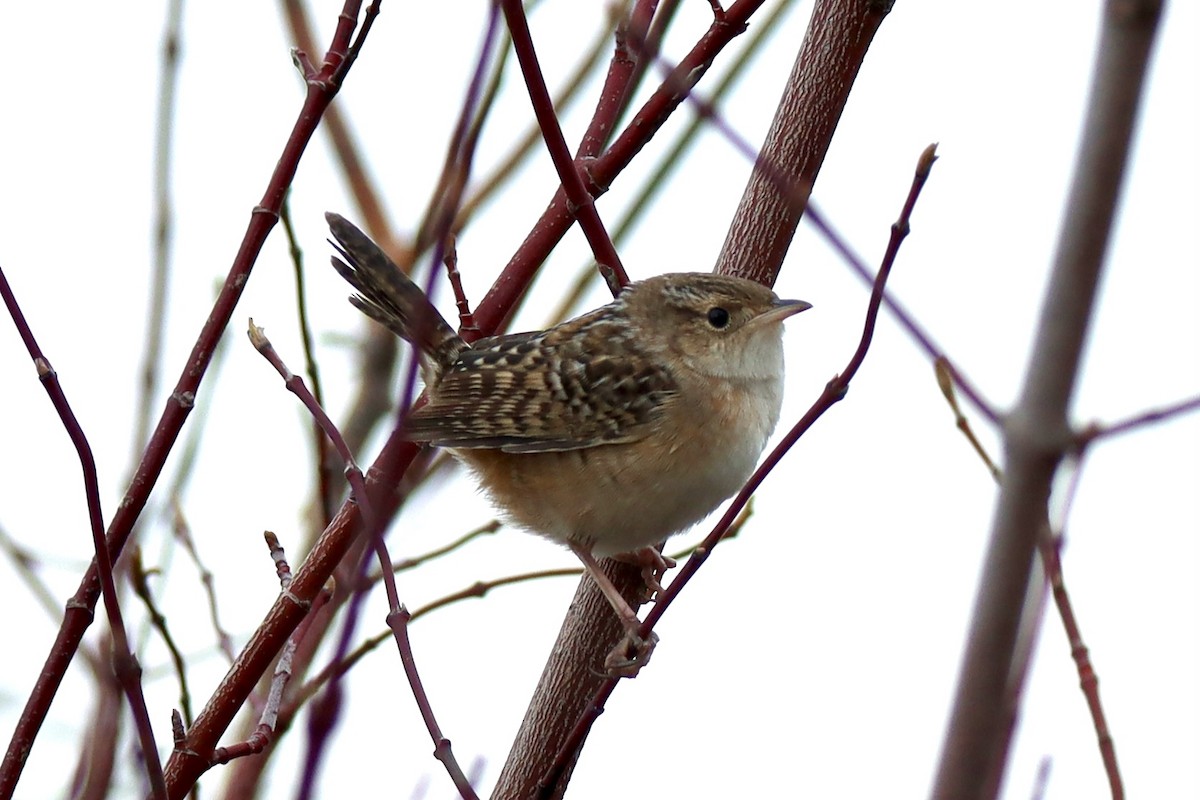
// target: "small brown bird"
[[608, 432]]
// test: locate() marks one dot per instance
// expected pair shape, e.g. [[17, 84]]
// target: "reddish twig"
[[523, 146], [603, 170], [580, 203], [125, 664], [1089, 683], [466, 320], [139, 579], [269, 718], [1051, 577], [190, 761], [1097, 431], [328, 707]]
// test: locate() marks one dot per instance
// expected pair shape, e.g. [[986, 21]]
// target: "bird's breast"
[[620, 497]]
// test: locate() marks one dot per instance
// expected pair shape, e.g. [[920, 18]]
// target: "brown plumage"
[[608, 432]]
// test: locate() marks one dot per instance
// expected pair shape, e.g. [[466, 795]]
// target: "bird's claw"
[[630, 655], [654, 565]]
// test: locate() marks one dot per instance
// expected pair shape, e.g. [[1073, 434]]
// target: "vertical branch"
[[156, 315], [1037, 433], [816, 92]]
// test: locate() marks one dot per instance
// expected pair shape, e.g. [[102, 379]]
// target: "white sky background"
[[814, 656]]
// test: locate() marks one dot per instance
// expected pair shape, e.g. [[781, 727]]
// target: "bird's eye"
[[718, 317]]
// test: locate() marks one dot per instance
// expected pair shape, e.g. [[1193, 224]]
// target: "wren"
[[609, 432]]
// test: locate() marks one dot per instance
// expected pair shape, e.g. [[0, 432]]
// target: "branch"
[[1037, 433], [125, 664]]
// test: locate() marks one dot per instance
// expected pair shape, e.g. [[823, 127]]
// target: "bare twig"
[[416, 561], [24, 563], [183, 533], [125, 664], [156, 314], [139, 578], [1097, 431], [674, 153], [945, 379], [269, 718], [523, 147], [324, 480], [582, 206], [1049, 577], [1089, 683], [496, 306]]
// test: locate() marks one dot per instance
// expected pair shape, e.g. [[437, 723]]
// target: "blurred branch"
[[324, 478], [1097, 431], [183, 532], [156, 314], [1037, 432], [1048, 577], [139, 578]]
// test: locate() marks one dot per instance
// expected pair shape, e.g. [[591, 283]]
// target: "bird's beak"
[[781, 310]]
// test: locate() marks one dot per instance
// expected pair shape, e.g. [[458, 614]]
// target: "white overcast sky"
[[816, 655]]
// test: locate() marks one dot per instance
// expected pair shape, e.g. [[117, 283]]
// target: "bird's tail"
[[387, 296]]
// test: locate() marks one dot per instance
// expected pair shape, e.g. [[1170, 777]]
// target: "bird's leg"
[[654, 565], [632, 652]]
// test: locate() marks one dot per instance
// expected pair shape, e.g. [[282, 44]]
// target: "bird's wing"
[[579, 385]]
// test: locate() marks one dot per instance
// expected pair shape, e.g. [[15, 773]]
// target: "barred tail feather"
[[387, 296]]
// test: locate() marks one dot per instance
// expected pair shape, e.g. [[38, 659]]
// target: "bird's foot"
[[630, 655], [654, 565]]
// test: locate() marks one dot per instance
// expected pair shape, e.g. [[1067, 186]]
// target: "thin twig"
[[182, 531], [1049, 578], [945, 380], [410, 563], [139, 580], [125, 664], [269, 718], [24, 563], [156, 313], [188, 763], [490, 185], [582, 206], [1097, 431], [672, 157], [554, 222], [324, 481]]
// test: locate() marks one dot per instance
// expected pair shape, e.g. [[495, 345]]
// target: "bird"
[[609, 432]]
